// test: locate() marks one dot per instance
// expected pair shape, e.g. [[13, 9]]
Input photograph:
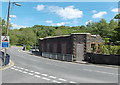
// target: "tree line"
[[109, 31]]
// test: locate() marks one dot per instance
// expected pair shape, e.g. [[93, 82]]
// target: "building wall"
[[73, 47]]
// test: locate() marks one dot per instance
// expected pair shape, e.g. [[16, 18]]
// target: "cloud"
[[116, 10], [93, 11], [13, 16], [49, 21], [89, 21], [40, 7], [99, 15], [66, 13], [59, 24], [15, 26]]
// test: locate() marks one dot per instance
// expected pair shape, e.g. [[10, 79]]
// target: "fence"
[[102, 59], [58, 56]]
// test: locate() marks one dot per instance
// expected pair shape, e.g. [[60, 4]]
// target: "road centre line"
[[61, 79], [45, 78], [52, 77], [56, 81], [33, 73], [44, 74]]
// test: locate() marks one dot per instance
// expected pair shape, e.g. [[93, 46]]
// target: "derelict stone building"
[[68, 47]]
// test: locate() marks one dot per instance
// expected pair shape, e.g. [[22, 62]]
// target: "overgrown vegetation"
[[29, 35]]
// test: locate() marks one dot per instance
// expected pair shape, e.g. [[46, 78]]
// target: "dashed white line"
[[12, 68], [36, 72], [25, 72], [30, 73], [72, 82], [26, 69], [44, 74], [45, 78], [16, 69], [56, 81], [52, 77], [37, 76], [61, 79], [20, 70]]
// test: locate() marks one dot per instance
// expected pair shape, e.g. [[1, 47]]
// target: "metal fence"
[[58, 56]]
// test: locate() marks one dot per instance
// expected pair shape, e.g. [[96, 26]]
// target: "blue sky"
[[59, 13]]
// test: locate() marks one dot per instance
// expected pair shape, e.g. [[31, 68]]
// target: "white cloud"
[[40, 7], [13, 16], [15, 26], [116, 10], [89, 21], [99, 15], [58, 24], [66, 13], [49, 21], [93, 11]]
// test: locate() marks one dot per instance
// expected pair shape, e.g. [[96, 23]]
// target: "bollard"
[[7, 60]]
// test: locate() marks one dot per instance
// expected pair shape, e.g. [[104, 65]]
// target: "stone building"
[[68, 47]]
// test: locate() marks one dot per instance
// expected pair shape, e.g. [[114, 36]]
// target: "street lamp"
[[8, 20]]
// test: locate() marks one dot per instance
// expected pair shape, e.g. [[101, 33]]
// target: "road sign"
[[4, 41]]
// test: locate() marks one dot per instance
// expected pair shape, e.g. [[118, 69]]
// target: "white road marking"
[[30, 73], [56, 81], [61, 79], [25, 72], [16, 69], [44, 74], [36, 72], [100, 71], [12, 68], [45, 78], [37, 76], [20, 70], [72, 82], [26, 69], [52, 77]]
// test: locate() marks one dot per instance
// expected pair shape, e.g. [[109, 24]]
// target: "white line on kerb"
[[62, 79], [52, 77], [45, 78], [44, 74]]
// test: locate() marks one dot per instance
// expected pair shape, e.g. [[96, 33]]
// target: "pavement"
[[29, 68]]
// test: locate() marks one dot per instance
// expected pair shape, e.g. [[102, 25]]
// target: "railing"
[[58, 56]]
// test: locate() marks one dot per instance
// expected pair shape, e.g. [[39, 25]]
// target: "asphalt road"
[[33, 69]]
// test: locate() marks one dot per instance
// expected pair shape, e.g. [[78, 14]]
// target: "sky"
[[58, 13]]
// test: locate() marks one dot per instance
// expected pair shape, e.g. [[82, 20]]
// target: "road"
[[29, 68]]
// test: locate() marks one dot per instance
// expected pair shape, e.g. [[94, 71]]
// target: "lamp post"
[[8, 20]]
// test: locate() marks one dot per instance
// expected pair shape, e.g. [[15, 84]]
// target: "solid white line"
[[45, 78], [56, 81], [44, 74], [52, 77], [61, 79], [37, 76], [36, 72]]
